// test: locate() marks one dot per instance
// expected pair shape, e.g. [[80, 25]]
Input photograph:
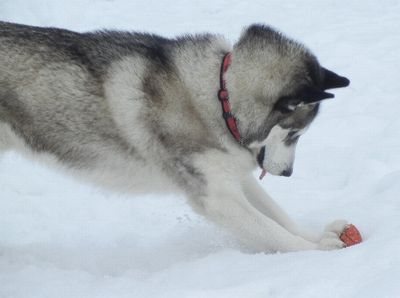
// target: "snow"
[[60, 238]]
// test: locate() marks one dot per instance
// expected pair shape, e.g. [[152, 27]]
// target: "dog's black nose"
[[287, 172]]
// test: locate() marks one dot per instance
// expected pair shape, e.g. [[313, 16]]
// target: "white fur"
[[278, 156]]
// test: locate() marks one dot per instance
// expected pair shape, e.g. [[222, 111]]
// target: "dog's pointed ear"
[[312, 95], [309, 95], [332, 80]]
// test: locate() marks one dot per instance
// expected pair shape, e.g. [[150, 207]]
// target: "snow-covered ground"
[[59, 238]]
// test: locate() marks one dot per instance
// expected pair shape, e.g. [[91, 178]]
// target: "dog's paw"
[[337, 226], [330, 240]]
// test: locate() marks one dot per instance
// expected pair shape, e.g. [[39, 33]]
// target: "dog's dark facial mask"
[[297, 111]]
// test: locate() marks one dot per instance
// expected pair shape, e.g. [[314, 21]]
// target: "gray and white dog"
[[140, 113]]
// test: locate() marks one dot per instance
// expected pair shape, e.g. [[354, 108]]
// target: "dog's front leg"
[[226, 204], [265, 204]]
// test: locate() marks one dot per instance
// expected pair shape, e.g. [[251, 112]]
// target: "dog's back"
[[45, 84], [100, 102], [52, 99]]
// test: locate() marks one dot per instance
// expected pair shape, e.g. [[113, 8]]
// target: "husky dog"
[[140, 113]]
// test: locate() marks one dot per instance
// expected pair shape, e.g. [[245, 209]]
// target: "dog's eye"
[[286, 105], [285, 110]]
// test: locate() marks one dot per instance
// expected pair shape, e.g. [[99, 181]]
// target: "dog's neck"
[[204, 92]]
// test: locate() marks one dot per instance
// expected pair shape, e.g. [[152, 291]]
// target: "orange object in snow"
[[351, 236]]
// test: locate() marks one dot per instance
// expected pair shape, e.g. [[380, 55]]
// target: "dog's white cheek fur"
[[278, 156]]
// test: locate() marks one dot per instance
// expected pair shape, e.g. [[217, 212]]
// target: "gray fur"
[[139, 112]]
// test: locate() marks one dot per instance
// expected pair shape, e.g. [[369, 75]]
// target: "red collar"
[[223, 97]]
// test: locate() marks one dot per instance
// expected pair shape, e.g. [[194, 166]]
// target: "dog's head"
[[276, 86]]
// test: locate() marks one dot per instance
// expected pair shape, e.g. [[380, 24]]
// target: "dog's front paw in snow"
[[331, 238]]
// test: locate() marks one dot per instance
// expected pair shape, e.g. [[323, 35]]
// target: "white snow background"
[[59, 238]]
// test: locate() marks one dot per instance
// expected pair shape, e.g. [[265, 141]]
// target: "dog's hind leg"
[[8, 139], [4, 137]]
